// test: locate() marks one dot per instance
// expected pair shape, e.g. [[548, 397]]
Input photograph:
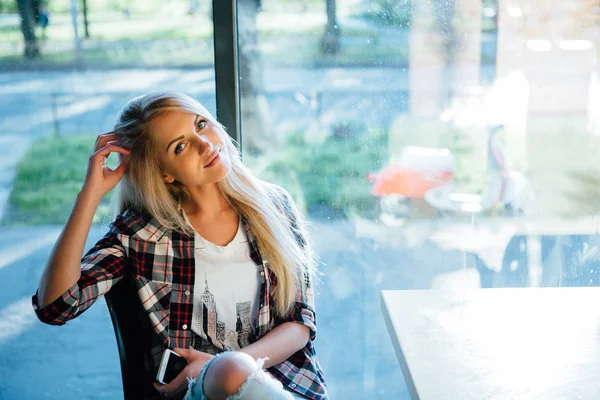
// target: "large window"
[[431, 144]]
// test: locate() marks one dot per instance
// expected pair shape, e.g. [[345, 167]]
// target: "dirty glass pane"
[[58, 92], [432, 145]]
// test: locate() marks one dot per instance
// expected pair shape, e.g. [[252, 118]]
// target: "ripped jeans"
[[259, 386]]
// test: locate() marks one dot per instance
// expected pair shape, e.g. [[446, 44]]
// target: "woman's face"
[[190, 149]]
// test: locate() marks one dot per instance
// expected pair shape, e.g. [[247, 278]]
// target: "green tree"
[[8, 7], [27, 12], [331, 38], [255, 109], [85, 19]]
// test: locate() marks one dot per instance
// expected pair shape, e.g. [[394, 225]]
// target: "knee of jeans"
[[227, 374]]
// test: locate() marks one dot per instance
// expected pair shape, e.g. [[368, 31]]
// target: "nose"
[[204, 145]]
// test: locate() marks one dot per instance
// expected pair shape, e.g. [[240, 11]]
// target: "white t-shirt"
[[226, 291]]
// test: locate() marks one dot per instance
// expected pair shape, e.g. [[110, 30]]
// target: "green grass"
[[305, 50], [48, 179], [331, 175], [135, 6], [155, 53], [114, 26], [185, 40]]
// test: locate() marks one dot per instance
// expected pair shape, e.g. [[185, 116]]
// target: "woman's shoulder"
[[277, 193], [282, 199], [133, 222]]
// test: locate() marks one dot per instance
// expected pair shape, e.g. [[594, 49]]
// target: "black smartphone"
[[171, 364]]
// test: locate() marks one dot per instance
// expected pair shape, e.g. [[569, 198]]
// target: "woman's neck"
[[206, 202]]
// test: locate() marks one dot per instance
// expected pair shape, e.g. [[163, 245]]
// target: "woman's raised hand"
[[100, 179]]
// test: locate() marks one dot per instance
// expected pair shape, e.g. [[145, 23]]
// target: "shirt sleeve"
[[303, 310], [101, 268]]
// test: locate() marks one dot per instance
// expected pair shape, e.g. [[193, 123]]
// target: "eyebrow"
[[182, 136], [173, 141]]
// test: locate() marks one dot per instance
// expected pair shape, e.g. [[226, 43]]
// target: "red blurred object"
[[408, 182]]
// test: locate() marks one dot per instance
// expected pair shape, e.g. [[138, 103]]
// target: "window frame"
[[227, 88]]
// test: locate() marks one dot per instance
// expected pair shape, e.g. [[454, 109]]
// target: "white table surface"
[[529, 343]]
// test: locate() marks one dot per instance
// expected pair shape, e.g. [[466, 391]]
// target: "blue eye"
[[201, 124], [179, 148]]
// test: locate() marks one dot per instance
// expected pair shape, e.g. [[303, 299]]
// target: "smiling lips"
[[214, 160]]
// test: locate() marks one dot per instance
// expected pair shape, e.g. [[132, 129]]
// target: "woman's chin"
[[218, 173]]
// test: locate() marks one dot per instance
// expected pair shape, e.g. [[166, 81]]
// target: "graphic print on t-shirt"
[[226, 289], [227, 338]]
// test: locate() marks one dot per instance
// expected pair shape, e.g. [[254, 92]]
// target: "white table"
[[530, 343]]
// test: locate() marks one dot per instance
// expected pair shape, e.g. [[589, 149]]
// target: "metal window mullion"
[[225, 28]]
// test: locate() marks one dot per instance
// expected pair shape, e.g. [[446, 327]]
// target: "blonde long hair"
[[261, 204]]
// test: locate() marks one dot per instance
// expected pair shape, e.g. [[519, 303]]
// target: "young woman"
[[221, 259]]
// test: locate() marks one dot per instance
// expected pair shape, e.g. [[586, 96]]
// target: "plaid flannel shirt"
[[163, 265]]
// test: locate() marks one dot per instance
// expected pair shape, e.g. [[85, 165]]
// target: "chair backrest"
[[132, 339]]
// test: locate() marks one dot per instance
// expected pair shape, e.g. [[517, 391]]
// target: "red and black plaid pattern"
[[163, 265]]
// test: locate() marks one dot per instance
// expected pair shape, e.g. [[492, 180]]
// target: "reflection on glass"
[[446, 145]]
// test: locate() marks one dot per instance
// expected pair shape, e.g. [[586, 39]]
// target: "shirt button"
[[184, 327], [293, 385], [187, 292], [262, 273]]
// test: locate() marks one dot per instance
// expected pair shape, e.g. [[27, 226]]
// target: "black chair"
[[132, 339]]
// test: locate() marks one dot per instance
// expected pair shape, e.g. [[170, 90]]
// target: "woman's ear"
[[168, 179]]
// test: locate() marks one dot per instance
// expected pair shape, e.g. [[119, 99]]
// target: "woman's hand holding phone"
[[195, 362]]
